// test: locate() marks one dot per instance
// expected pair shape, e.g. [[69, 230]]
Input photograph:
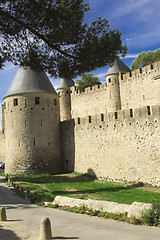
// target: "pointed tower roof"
[[27, 80], [118, 66], [65, 83]]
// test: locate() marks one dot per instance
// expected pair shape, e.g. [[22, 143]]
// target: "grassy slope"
[[84, 187]]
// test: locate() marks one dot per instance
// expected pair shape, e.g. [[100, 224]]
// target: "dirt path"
[[24, 221]]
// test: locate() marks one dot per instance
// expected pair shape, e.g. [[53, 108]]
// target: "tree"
[[146, 58], [87, 80], [51, 34]]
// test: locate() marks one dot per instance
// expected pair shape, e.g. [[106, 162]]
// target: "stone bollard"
[[3, 216], [6, 177], [35, 193], [28, 193], [45, 229]]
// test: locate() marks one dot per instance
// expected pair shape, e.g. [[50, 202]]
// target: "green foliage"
[[83, 186], [51, 34], [151, 217], [146, 58], [87, 80]]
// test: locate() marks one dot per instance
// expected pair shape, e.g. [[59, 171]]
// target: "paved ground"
[[24, 222]]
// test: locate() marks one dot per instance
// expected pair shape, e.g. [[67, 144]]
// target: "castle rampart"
[[2, 147], [141, 87], [121, 145], [32, 133]]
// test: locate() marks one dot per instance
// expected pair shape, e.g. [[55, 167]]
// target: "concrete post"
[[3, 216], [45, 229]]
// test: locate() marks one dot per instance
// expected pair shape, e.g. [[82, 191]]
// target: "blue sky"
[[138, 20]]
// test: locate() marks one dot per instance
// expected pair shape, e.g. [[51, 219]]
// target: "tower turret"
[[112, 79], [65, 98], [32, 124]]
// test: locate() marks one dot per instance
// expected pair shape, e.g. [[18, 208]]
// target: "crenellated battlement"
[[87, 90], [131, 90], [141, 72], [144, 115]]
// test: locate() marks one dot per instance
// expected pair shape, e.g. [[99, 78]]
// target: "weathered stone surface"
[[134, 210], [3, 216], [45, 229], [138, 208]]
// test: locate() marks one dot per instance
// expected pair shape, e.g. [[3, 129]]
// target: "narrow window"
[[67, 92], [41, 123], [131, 112], [34, 141], [89, 119], [140, 70], [102, 117], [144, 97], [55, 102], [109, 80], [37, 100], [25, 102], [130, 74], [78, 120], [149, 110], [151, 66], [90, 88], [15, 102], [19, 143], [116, 115], [49, 141]]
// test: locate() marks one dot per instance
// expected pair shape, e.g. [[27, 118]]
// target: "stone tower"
[[32, 124], [112, 79], [65, 98]]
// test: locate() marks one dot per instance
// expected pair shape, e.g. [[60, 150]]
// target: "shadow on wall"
[[91, 172], [68, 144], [8, 234]]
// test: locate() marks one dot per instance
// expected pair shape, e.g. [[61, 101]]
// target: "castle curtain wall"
[[2, 147], [123, 148]]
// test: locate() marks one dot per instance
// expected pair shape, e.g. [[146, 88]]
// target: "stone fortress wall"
[[111, 130], [2, 147], [135, 89], [121, 142], [32, 133]]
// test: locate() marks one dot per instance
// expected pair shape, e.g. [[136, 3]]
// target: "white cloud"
[[126, 7], [134, 55]]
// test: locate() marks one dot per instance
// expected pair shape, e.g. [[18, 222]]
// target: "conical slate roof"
[[118, 66], [27, 80], [65, 83]]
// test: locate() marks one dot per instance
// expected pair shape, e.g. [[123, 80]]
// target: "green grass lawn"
[[85, 187]]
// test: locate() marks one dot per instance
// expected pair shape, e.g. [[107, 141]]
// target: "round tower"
[[64, 93], [32, 124], [113, 83]]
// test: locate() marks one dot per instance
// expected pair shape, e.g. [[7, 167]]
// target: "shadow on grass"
[[55, 178]]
